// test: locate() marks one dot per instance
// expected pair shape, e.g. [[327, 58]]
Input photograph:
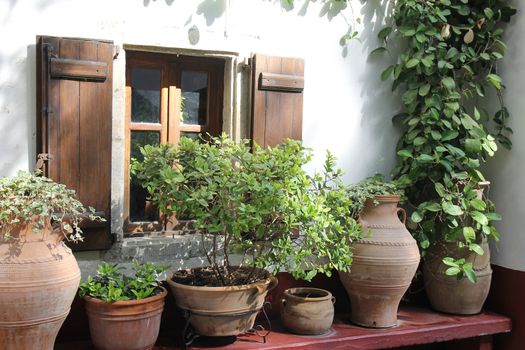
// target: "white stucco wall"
[[506, 170], [347, 108]]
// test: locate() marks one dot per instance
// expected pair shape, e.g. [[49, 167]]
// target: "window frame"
[[170, 127]]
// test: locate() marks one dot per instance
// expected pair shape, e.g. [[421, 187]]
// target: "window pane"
[[139, 208], [145, 95], [194, 97], [190, 135]]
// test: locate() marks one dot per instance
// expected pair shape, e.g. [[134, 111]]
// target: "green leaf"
[[412, 62], [434, 207], [384, 33], [476, 248], [416, 217], [418, 141], [479, 217], [386, 73], [377, 51], [469, 272], [469, 234], [472, 145], [495, 80], [424, 89], [489, 13], [407, 31], [452, 271], [449, 83], [478, 204], [440, 189], [450, 262], [452, 209], [425, 158], [449, 135], [404, 153]]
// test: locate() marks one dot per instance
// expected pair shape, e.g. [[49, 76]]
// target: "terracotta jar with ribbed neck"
[[39, 277], [384, 263]]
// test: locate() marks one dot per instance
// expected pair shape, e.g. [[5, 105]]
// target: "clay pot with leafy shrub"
[[39, 275], [385, 259], [124, 311], [255, 211]]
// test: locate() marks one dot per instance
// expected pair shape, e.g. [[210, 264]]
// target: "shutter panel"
[[74, 112], [277, 99]]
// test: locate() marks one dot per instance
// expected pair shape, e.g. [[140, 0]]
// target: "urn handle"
[[404, 215], [333, 300]]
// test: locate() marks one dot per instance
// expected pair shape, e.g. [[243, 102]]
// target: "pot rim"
[[267, 281], [147, 300], [289, 294], [387, 198]]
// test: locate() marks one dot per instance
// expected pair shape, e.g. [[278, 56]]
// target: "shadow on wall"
[[210, 9], [380, 103]]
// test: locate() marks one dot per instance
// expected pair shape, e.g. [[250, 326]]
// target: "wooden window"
[[167, 97]]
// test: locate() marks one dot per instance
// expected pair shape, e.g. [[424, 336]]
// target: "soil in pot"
[[125, 325], [449, 294], [308, 311], [39, 277], [216, 310], [384, 263]]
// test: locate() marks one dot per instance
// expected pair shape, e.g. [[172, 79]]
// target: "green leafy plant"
[[368, 188], [449, 62], [111, 284], [37, 200], [259, 202]]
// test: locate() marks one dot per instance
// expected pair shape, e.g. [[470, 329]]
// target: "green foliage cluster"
[[256, 201], [110, 284], [37, 200], [449, 62], [368, 188]]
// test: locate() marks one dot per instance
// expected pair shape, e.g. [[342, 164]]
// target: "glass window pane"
[[145, 95], [139, 208], [194, 97], [190, 135]]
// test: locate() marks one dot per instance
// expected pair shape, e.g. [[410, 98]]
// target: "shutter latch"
[[42, 158]]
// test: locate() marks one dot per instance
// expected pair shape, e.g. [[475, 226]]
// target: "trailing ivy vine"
[[447, 67]]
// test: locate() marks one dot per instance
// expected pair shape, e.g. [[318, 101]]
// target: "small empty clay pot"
[[307, 311]]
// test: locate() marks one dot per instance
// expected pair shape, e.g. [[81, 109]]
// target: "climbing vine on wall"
[[447, 69]]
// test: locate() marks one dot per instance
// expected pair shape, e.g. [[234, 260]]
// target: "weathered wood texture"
[[74, 112], [78, 69], [277, 99]]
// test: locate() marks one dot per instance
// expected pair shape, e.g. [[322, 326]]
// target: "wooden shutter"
[[277, 99], [74, 110]]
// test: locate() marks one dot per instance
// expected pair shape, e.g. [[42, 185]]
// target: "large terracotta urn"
[[222, 311], [450, 294], [384, 263], [39, 277]]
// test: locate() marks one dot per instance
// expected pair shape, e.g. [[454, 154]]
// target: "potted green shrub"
[[310, 311], [124, 311], [448, 66], [385, 260], [39, 275], [257, 203]]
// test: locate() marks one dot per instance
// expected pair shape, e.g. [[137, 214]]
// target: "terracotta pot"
[[125, 325], [384, 263], [307, 311], [222, 311], [39, 278], [447, 293]]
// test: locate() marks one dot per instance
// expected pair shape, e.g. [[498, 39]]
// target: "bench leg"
[[485, 342]]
